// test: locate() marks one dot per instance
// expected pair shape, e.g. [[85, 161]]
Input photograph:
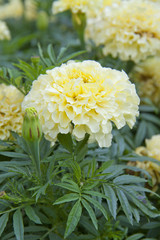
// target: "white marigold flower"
[[11, 116], [13, 9], [4, 31], [152, 150], [147, 76], [83, 97], [130, 30]]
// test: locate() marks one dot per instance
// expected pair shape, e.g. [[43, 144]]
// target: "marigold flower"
[[4, 31], [74, 6], [13, 9], [11, 116], [30, 9], [83, 97], [90, 8], [130, 30], [147, 76], [152, 150]]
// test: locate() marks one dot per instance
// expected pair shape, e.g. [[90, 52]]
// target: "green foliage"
[[82, 191], [71, 186]]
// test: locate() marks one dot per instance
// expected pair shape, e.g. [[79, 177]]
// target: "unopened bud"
[[35, 60], [42, 20], [31, 129], [2, 194]]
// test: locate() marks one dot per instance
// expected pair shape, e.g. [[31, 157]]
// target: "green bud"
[[31, 129], [2, 194], [42, 20], [35, 60]]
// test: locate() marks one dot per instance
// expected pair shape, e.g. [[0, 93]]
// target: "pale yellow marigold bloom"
[[147, 76], [13, 9], [11, 116], [83, 97], [88, 7], [152, 150], [4, 31], [130, 30], [30, 9]]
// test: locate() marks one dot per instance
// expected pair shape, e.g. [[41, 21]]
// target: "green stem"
[[79, 23], [35, 156]]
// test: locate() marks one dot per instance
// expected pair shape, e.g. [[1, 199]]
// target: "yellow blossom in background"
[[152, 150], [147, 76], [76, 6], [4, 31], [130, 30], [11, 116], [83, 97], [13, 9], [30, 9]]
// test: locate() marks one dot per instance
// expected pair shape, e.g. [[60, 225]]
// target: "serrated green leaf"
[[18, 225], [151, 225], [3, 176], [96, 204], [125, 205], [15, 155], [66, 141], [71, 187], [61, 53], [127, 179], [94, 193], [90, 212], [135, 236], [76, 170], [51, 54], [112, 200], [136, 214], [3, 222], [150, 117], [73, 218], [135, 157], [150, 212], [32, 215], [67, 198], [71, 56], [141, 133], [81, 148], [104, 166]]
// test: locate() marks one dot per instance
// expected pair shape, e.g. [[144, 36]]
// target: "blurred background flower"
[[147, 77], [152, 150], [12, 9], [4, 31], [11, 116], [125, 32]]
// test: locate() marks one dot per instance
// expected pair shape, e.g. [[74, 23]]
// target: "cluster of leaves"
[[75, 190]]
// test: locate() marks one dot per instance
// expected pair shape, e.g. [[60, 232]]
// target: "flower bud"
[[35, 60], [42, 20], [31, 129]]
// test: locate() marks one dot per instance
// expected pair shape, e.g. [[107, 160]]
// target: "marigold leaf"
[[73, 218], [66, 141], [18, 225], [90, 212], [3, 222], [112, 200], [125, 205], [67, 198], [32, 215], [96, 204]]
